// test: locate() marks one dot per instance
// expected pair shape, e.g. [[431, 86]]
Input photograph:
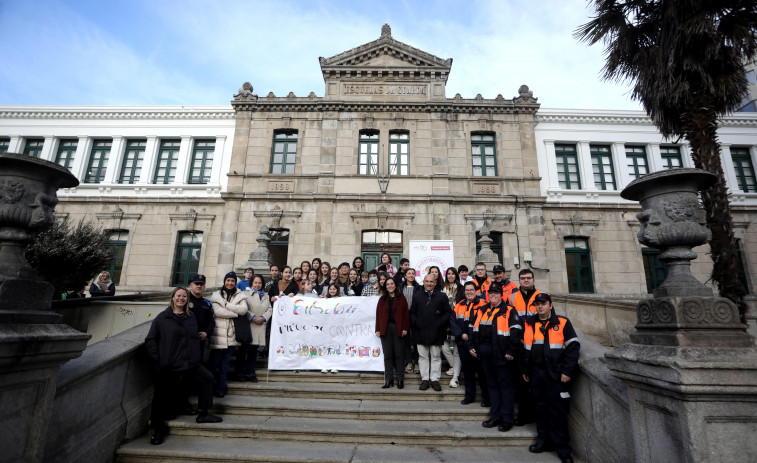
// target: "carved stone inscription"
[[480, 188], [280, 186], [384, 89]]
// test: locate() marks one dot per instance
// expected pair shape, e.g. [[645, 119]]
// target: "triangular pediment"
[[385, 52]]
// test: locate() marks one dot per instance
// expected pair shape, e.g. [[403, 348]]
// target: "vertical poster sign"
[[426, 254], [310, 333]]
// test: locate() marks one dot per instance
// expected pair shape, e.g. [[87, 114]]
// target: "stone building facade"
[[382, 158]]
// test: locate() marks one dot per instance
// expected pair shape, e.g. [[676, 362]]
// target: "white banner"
[[311, 334], [426, 254]]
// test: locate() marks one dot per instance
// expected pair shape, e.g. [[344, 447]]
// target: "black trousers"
[[551, 407], [171, 390], [500, 382], [472, 369], [394, 353], [247, 355]]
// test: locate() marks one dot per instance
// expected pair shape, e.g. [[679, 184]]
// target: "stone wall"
[[103, 398], [600, 420]]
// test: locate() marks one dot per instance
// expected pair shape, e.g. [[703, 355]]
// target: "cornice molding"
[[498, 105], [626, 118], [116, 113]]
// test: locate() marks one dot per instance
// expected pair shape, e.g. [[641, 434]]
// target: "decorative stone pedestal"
[[32, 346], [260, 259], [691, 369], [690, 404]]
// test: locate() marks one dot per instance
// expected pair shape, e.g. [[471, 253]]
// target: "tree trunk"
[[701, 132]]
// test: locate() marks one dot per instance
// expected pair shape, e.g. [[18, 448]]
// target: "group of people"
[[504, 335]]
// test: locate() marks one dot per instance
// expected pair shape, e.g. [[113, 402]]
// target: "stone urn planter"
[[27, 201], [683, 310]]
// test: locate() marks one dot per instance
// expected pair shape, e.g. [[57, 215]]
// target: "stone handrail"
[[102, 399]]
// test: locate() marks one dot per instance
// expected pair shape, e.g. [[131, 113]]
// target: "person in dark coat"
[[102, 286], [202, 309], [429, 318], [392, 325], [174, 348]]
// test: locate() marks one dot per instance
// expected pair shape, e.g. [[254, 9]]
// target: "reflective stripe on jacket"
[[516, 300], [561, 346]]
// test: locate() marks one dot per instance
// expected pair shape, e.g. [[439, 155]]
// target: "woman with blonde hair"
[[174, 348]]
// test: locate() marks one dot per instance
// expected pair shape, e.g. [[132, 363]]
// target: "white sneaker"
[[324, 371], [450, 372], [453, 382], [334, 370]]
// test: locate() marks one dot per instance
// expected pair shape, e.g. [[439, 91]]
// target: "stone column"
[[32, 345], [691, 368]]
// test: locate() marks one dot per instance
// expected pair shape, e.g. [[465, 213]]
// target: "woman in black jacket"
[[173, 344]]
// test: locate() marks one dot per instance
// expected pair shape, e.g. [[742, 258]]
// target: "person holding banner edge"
[[392, 325]]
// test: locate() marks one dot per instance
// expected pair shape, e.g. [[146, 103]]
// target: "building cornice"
[[451, 105], [582, 116], [117, 112]]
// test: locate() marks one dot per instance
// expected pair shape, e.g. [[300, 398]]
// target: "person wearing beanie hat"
[[228, 303], [549, 364]]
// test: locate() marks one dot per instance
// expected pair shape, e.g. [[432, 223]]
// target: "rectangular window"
[[741, 267], [98, 161], [637, 161], [66, 152], [284, 152], [671, 157], [655, 270], [567, 167], [33, 147], [399, 148], [5, 143], [742, 164], [187, 261], [131, 169], [578, 265], [484, 156], [202, 161], [368, 153], [168, 157], [601, 161], [117, 243]]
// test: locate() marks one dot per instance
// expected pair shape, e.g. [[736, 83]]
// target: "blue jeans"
[[219, 366]]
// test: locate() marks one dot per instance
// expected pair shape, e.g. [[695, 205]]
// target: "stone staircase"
[[343, 417]]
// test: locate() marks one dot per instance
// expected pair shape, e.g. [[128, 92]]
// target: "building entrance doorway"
[[377, 242], [279, 246]]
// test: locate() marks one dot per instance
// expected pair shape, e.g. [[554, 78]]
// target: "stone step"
[[451, 432], [197, 448], [334, 390], [350, 408], [363, 377]]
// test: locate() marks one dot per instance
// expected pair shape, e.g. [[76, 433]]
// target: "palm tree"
[[685, 61]]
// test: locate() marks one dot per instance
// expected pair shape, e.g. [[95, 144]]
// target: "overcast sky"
[[192, 52]]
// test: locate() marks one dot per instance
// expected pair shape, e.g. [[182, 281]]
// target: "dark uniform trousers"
[[171, 392], [472, 368], [499, 379], [523, 397], [551, 410]]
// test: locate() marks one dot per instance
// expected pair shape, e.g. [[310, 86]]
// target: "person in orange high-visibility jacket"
[[482, 282], [508, 287], [549, 364], [465, 314], [496, 336], [522, 300]]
